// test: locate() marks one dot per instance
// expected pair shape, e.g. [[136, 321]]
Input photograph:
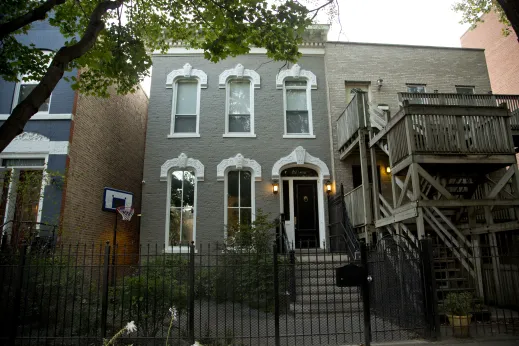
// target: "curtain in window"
[[185, 113], [297, 107], [239, 106]]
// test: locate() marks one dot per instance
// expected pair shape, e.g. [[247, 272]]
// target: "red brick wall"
[[502, 53], [106, 150]]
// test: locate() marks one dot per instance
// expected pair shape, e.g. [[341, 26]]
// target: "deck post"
[[365, 181]]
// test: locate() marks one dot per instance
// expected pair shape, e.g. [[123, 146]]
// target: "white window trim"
[[32, 82], [17, 95], [237, 163], [252, 196], [12, 184], [239, 73], [182, 162], [296, 73], [172, 79]]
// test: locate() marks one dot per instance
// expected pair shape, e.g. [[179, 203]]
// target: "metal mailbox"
[[350, 275]]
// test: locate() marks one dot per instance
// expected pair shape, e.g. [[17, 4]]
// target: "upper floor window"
[[23, 89], [239, 83], [465, 90], [186, 107], [185, 111], [416, 88], [297, 108], [239, 111], [297, 85]]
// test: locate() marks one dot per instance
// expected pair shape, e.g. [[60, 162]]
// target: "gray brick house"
[[221, 137]]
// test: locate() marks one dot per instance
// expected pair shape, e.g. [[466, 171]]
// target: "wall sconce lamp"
[[275, 188], [388, 169], [328, 187], [380, 81]]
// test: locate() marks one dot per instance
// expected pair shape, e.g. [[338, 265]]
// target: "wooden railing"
[[354, 201], [453, 132], [352, 119], [483, 100]]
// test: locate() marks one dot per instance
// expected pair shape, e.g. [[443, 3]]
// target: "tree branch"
[[511, 9], [14, 125], [37, 13]]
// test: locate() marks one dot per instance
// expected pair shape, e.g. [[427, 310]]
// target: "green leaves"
[[472, 10], [121, 55]]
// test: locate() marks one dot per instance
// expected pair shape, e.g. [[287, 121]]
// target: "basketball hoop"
[[126, 212]]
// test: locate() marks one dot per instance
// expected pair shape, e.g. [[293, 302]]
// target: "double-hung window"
[[416, 89], [23, 89], [240, 112], [186, 109], [239, 199], [465, 90], [298, 119]]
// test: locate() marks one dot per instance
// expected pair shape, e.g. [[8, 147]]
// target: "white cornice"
[[239, 162], [43, 116], [296, 72], [32, 142], [309, 49], [186, 72], [239, 72]]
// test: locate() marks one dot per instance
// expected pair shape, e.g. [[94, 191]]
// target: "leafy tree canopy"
[[473, 10], [111, 41]]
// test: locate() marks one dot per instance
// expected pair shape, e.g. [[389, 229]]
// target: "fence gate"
[[397, 291]]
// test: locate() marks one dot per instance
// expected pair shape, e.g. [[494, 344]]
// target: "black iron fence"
[[73, 295]]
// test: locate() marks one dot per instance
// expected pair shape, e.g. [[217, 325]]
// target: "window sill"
[[308, 136], [178, 249], [43, 116], [239, 135], [183, 135]]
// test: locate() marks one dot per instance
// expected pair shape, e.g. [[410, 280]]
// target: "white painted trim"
[[43, 116], [238, 162], [177, 249], [172, 133], [186, 72], [301, 136], [311, 83], [14, 103], [184, 135], [239, 72], [320, 208], [227, 95], [32, 142], [301, 158], [239, 135], [296, 72], [252, 194], [182, 162], [175, 51]]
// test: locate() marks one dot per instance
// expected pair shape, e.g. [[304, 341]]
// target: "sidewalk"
[[498, 340]]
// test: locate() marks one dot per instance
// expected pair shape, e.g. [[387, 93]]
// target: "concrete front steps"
[[316, 292]]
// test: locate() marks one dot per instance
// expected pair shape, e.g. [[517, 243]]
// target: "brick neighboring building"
[[92, 142], [106, 150], [502, 53]]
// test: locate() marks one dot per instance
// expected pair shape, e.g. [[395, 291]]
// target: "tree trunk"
[[511, 9], [16, 122]]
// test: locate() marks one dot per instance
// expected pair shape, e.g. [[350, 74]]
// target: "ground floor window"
[[182, 208], [20, 197], [239, 200]]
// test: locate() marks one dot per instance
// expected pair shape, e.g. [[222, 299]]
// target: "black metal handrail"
[[351, 241], [281, 236]]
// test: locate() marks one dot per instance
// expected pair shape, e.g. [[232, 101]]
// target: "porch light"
[[328, 187], [275, 188], [388, 169]]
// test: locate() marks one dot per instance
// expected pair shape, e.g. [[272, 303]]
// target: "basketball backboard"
[[113, 198]]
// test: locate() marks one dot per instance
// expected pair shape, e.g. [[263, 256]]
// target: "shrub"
[[458, 303]]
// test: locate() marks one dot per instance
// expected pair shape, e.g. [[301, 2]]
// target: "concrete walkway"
[[498, 340]]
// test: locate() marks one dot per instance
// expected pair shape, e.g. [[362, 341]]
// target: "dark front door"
[[306, 220]]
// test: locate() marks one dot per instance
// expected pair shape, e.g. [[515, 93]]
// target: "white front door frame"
[[289, 225]]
